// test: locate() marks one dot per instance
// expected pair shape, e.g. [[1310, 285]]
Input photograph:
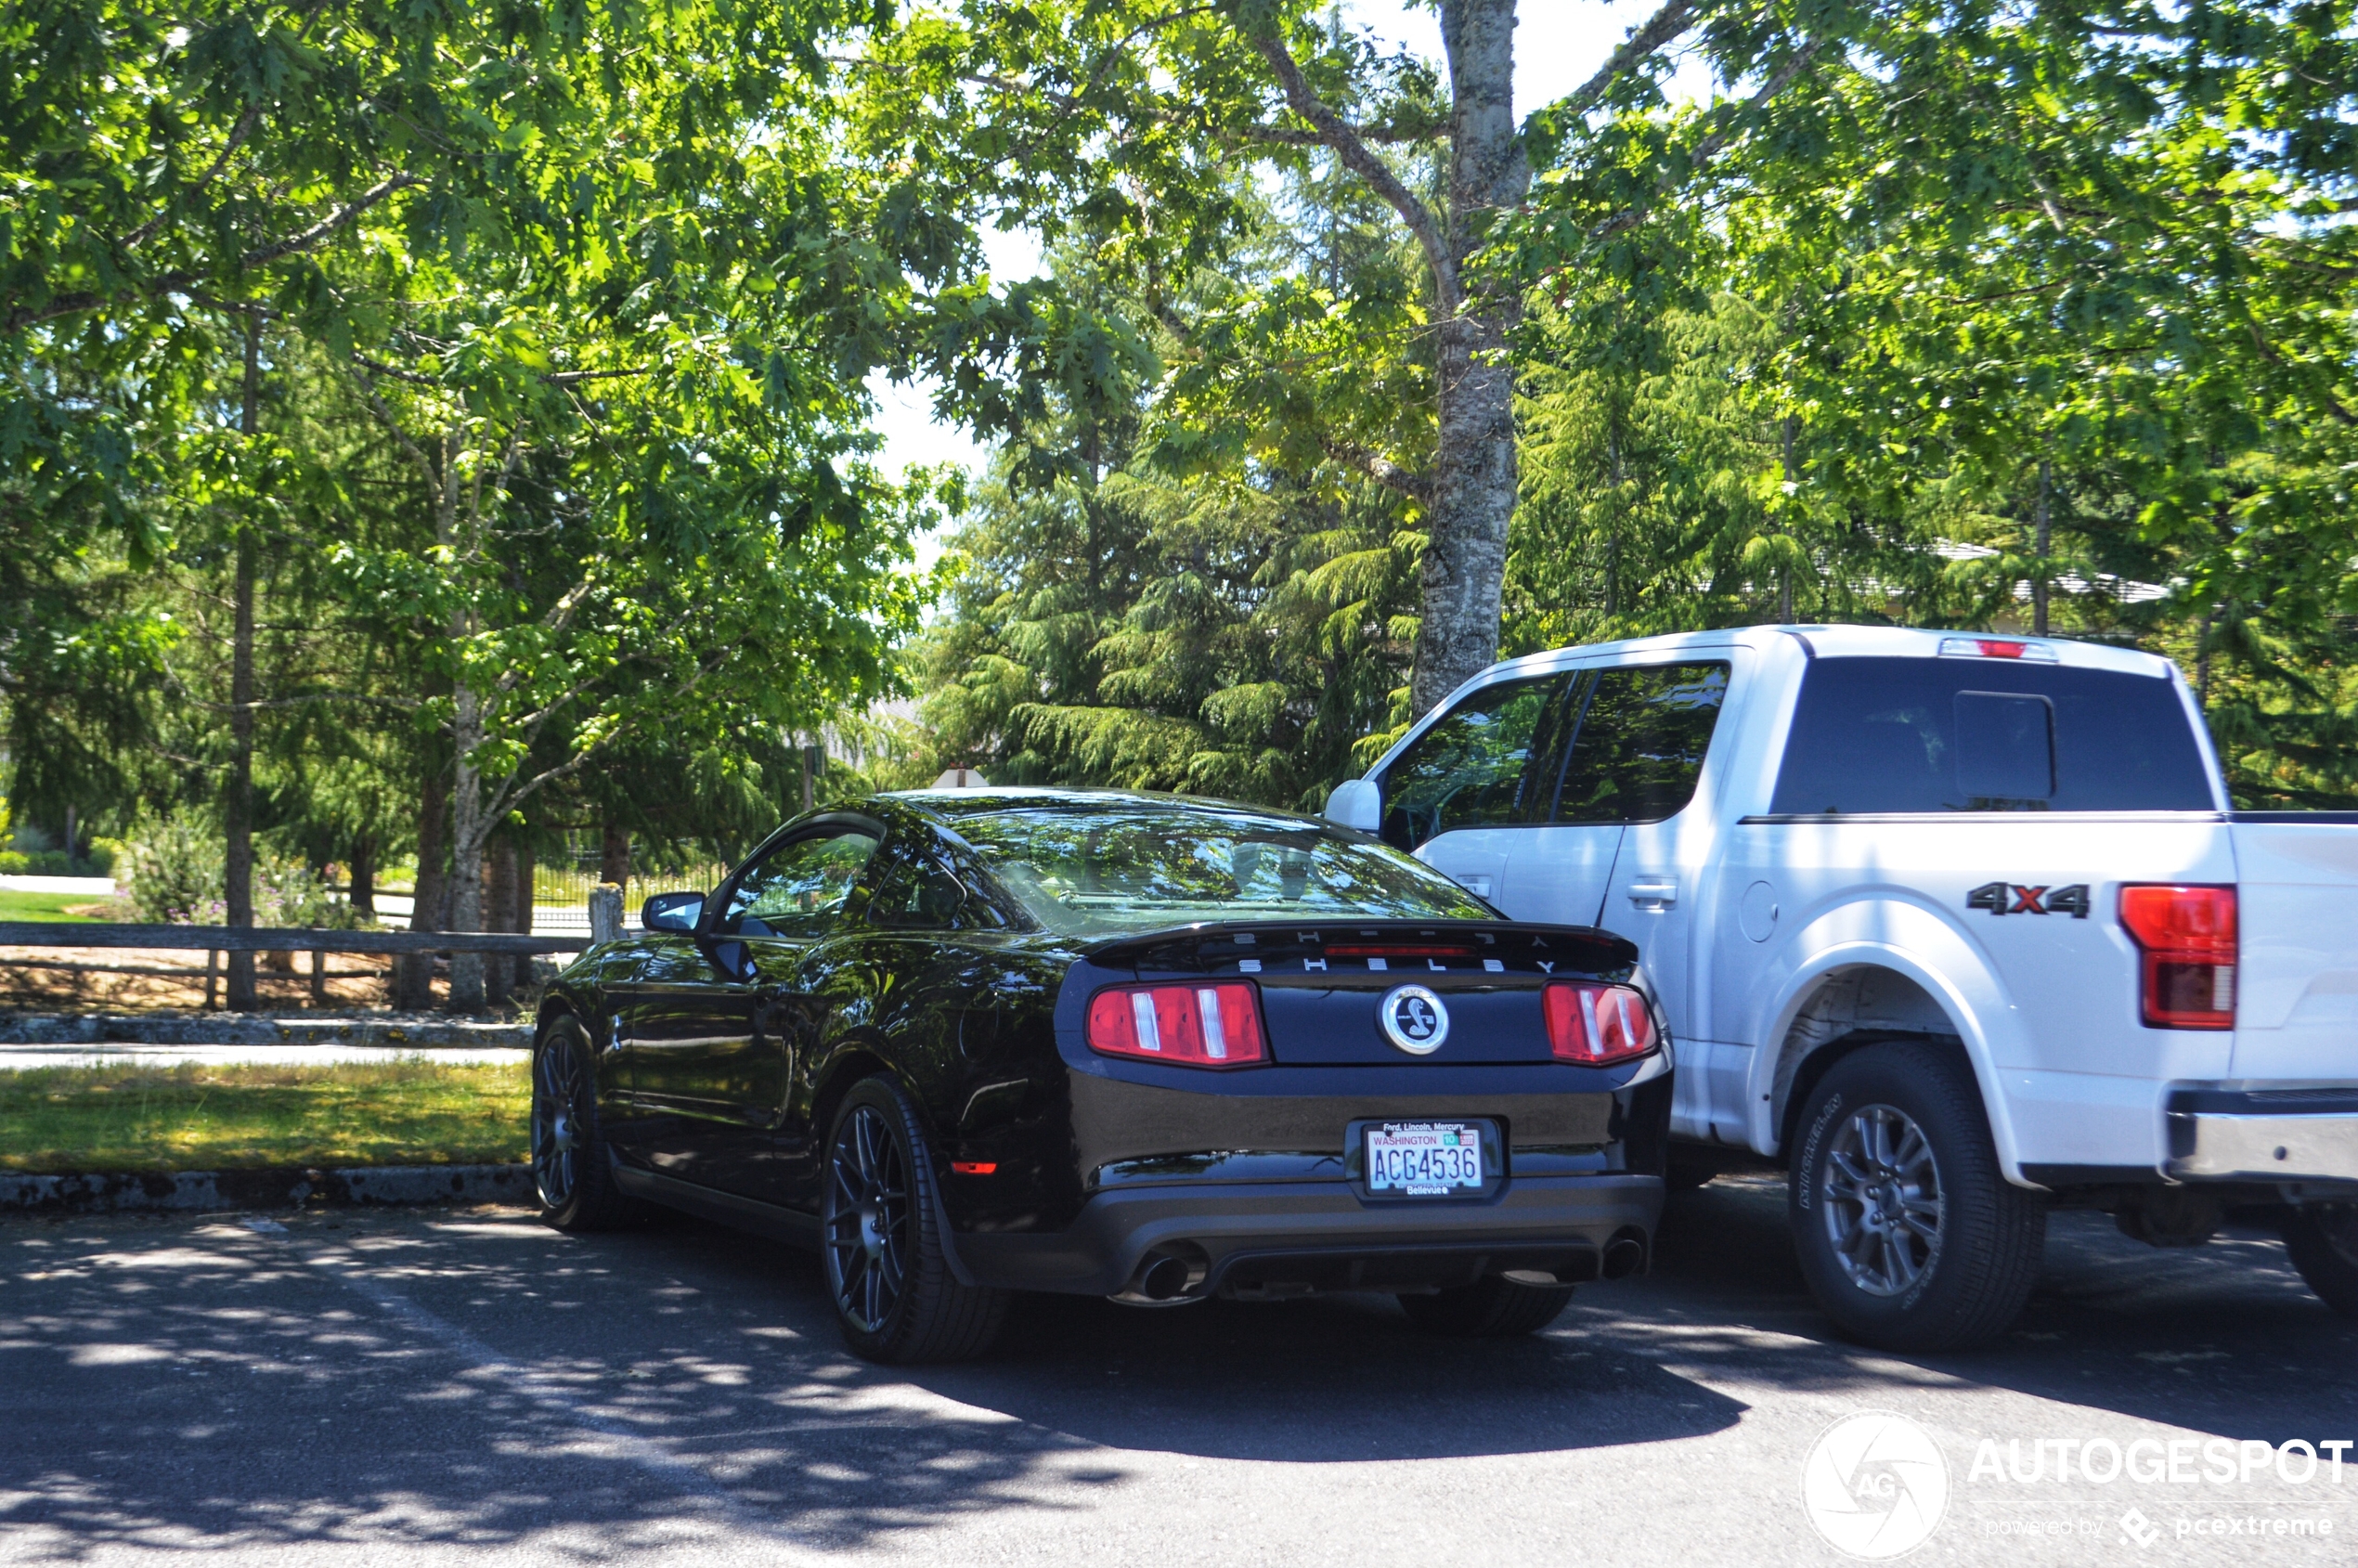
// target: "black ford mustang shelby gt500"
[[971, 1043]]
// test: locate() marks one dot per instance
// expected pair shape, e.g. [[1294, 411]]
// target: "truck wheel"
[[2323, 1240], [1910, 1236]]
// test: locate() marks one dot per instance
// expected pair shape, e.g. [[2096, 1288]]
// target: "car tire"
[[1491, 1308], [1909, 1234], [896, 1297], [2323, 1243], [572, 1169]]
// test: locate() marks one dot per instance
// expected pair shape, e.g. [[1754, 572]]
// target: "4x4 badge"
[[2011, 898]]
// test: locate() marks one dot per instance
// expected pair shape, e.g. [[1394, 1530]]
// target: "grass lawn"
[[15, 905], [95, 1120]]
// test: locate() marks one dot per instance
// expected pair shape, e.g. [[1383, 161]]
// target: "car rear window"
[[1089, 869], [1944, 734]]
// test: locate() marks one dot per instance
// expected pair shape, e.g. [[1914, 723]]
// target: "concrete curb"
[[277, 1188], [423, 1031]]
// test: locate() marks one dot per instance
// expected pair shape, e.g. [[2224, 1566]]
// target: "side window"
[[795, 889], [919, 893], [1491, 761], [1640, 744]]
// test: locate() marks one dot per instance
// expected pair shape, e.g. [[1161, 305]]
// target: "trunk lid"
[[1324, 983]]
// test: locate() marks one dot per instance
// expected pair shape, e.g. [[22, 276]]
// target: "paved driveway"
[[469, 1388]]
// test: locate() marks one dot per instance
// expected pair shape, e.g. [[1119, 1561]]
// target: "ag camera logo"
[[1414, 1020], [1875, 1485]]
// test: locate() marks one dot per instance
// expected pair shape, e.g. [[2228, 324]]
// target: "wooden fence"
[[214, 940]]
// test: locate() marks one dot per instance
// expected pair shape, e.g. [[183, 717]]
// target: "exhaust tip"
[[1167, 1276], [1164, 1278], [1624, 1255]]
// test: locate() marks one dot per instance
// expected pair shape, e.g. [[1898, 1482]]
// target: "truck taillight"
[[1216, 1025], [2186, 938], [1995, 648], [1597, 1025]]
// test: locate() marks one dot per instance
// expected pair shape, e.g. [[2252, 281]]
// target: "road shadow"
[[419, 1380], [2224, 1339], [1321, 1381]]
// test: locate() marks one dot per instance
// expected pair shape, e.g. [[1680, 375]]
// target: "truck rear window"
[[1986, 735]]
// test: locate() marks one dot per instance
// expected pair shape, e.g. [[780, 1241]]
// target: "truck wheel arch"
[[1854, 994]]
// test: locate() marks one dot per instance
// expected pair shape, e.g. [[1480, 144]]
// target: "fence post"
[[605, 912], [318, 977], [212, 964]]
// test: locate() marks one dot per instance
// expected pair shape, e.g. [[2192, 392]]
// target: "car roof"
[[948, 805]]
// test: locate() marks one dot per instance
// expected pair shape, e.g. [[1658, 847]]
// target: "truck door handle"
[[1655, 893]]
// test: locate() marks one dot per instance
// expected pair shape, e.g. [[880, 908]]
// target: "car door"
[[1469, 794], [713, 1065]]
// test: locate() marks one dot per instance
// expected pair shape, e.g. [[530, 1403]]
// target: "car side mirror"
[[672, 912], [1356, 803]]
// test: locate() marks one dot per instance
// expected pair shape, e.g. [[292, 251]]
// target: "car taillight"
[[1597, 1025], [1186, 1024], [2187, 938]]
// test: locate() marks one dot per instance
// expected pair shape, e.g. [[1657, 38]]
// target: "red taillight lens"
[[1597, 1025], [1213, 1025], [2187, 938]]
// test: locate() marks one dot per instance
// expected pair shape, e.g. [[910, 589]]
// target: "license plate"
[[1424, 1159]]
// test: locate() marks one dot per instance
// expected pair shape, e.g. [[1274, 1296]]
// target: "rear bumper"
[[1296, 1238], [2290, 1136]]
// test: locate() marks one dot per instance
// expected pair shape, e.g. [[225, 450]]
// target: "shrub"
[[176, 872]]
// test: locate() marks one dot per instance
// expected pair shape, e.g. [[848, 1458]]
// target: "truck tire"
[[2323, 1240], [1910, 1234]]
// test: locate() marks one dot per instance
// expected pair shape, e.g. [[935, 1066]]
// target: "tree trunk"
[[363, 893], [237, 860], [469, 832], [413, 972], [1475, 478], [498, 913], [614, 857]]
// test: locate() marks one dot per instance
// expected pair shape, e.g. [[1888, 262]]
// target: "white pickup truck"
[[1956, 928]]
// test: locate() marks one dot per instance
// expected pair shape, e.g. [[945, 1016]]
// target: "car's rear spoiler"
[[1588, 946]]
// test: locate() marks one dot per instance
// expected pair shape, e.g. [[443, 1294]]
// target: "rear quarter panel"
[[2046, 1003]]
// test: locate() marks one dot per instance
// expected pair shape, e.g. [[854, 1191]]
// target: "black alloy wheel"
[[2322, 1240], [571, 1171], [1908, 1232], [896, 1297]]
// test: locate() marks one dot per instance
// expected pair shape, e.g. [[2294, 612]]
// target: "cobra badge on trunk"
[[1414, 1020]]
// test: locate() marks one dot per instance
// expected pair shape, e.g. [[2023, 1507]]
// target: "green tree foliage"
[[580, 299], [2016, 310]]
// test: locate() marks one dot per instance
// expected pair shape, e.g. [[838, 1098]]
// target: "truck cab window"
[[1492, 761], [1945, 734], [1643, 731]]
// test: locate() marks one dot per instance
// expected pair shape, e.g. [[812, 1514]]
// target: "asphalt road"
[[464, 1388]]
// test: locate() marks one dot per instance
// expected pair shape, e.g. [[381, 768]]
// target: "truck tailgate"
[[2297, 908]]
